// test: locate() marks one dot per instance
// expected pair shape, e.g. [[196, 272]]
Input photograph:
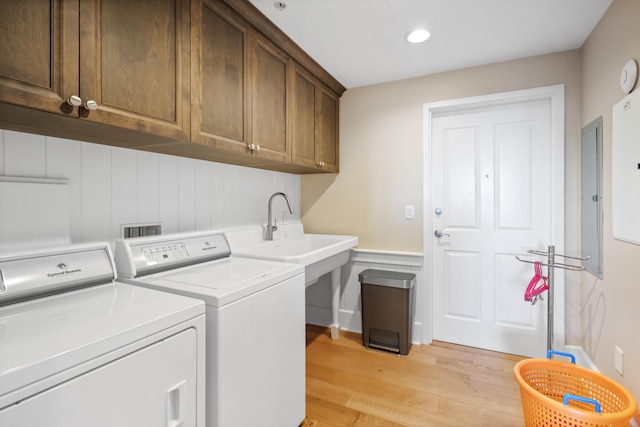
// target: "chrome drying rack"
[[551, 264]]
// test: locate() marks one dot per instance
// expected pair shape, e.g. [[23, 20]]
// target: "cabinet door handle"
[[320, 164], [91, 105], [74, 100]]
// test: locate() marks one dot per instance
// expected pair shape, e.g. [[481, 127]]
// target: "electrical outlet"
[[409, 212], [618, 360]]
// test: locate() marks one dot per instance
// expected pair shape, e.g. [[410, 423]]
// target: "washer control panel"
[[145, 255], [165, 253]]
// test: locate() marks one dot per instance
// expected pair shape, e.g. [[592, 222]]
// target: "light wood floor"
[[436, 385]]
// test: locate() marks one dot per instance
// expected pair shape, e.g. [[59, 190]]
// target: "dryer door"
[[155, 386]]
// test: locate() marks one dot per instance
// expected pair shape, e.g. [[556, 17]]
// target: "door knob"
[[439, 233]]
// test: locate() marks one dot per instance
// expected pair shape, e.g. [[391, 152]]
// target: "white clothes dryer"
[[78, 349], [255, 322]]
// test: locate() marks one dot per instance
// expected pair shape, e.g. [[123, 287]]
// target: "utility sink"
[[319, 253]]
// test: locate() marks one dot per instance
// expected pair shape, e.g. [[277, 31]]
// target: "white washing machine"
[[78, 349], [255, 322]]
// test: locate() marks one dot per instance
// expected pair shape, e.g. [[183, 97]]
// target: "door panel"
[[220, 87], [491, 175], [327, 130], [462, 293], [303, 126], [135, 65], [138, 57], [514, 198], [269, 127], [461, 199], [35, 70]]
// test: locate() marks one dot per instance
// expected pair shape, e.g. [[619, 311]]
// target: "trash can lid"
[[393, 279]]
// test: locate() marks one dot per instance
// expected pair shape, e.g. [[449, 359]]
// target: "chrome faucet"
[[274, 227]]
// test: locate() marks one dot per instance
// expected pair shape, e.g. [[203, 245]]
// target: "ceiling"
[[361, 42]]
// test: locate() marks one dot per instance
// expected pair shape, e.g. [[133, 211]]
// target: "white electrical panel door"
[[625, 169], [152, 387]]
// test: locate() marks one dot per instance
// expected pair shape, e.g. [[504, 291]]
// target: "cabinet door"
[[220, 84], [155, 386], [39, 53], [327, 129], [134, 64], [314, 123], [269, 100], [303, 118]]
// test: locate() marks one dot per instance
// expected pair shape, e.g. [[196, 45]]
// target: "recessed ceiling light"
[[417, 36]]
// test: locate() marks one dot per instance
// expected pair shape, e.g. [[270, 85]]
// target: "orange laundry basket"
[[556, 393]]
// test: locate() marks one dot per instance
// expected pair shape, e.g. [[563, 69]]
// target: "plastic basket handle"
[[560, 353], [582, 399]]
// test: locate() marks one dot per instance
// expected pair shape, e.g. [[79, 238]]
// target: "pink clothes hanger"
[[537, 285]]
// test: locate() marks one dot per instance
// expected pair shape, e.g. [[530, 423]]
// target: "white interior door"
[[492, 198]]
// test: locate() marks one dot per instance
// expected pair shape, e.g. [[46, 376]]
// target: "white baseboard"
[[582, 358], [352, 321]]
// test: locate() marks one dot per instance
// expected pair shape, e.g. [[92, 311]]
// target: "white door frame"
[[555, 95]]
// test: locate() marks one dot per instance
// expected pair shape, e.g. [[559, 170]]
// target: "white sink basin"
[[319, 253]]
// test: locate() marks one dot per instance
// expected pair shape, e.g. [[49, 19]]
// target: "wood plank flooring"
[[436, 385]]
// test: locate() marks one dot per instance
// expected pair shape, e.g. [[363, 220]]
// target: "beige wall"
[[611, 308], [381, 153]]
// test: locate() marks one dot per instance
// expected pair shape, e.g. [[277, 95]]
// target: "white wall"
[[111, 186]]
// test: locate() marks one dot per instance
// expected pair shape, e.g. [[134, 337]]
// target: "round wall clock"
[[628, 76]]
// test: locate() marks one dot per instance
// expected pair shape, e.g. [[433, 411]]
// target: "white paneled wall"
[[319, 294], [111, 186]]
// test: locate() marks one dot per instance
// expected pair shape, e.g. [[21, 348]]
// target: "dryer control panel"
[[137, 257]]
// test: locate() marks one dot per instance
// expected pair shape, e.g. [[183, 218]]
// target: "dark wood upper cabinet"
[[303, 118], [126, 63], [219, 83], [239, 87], [39, 54], [208, 79], [135, 64], [314, 124], [327, 129], [269, 100]]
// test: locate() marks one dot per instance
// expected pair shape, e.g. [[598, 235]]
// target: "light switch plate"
[[409, 212]]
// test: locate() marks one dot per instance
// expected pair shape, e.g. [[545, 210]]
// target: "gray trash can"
[[387, 309]]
